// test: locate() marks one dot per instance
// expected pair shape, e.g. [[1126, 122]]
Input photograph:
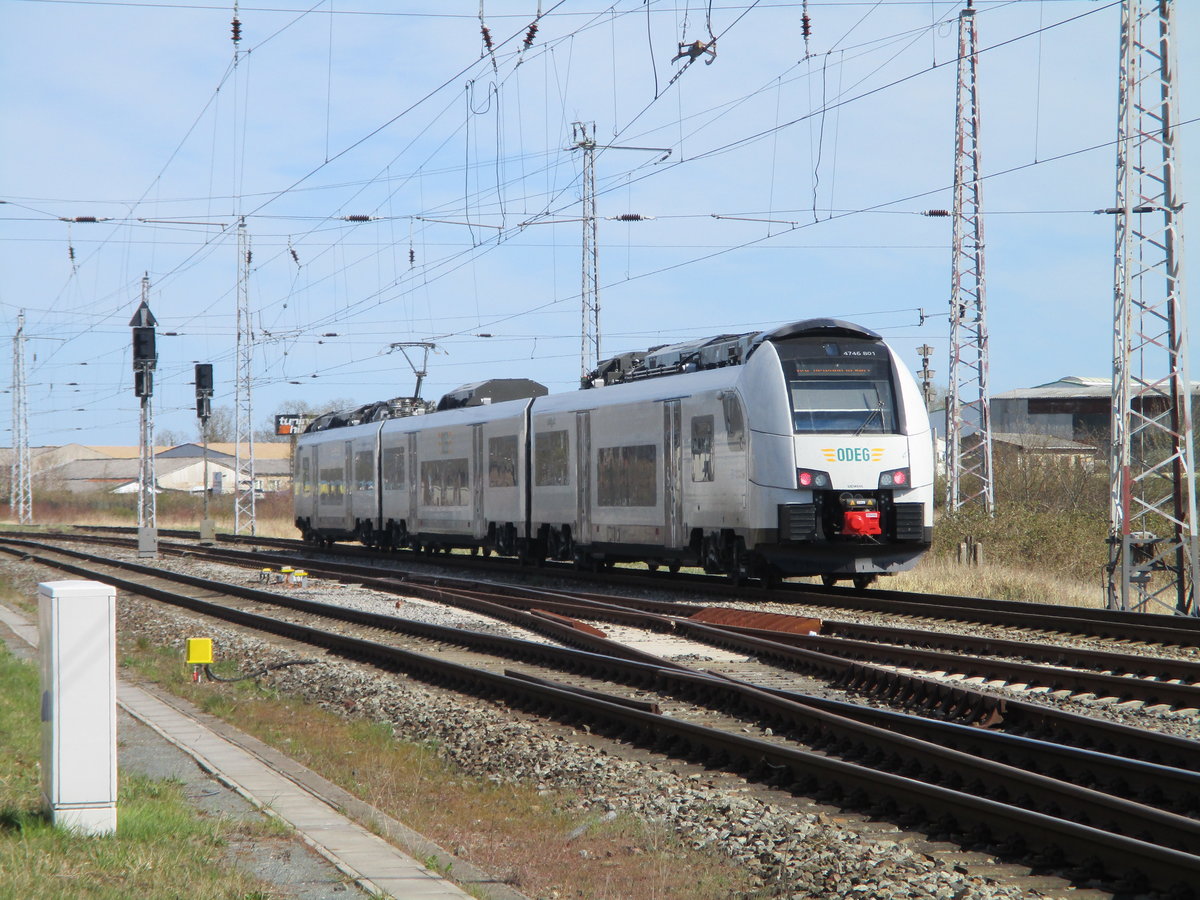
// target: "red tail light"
[[811, 478]]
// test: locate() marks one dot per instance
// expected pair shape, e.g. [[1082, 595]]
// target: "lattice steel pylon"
[[589, 344], [1153, 543], [20, 497], [968, 418], [243, 507]]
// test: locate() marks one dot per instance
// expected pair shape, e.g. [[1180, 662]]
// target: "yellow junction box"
[[199, 651]]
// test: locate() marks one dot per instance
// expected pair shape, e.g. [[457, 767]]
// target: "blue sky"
[[794, 188]]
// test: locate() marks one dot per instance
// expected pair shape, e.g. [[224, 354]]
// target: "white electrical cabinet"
[[77, 621]]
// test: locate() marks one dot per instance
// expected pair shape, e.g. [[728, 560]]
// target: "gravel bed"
[[795, 853], [791, 854]]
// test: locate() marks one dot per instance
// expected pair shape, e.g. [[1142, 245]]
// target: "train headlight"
[[896, 478], [811, 478]]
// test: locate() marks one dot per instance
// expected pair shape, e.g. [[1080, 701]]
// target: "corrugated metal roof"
[[1043, 442], [1067, 387]]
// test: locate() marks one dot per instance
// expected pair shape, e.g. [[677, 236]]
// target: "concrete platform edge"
[[413, 843]]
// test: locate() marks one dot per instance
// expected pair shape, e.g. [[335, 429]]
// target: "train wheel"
[[862, 582], [738, 571], [829, 580], [652, 566], [673, 566]]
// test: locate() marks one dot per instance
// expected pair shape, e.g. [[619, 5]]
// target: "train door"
[[478, 477], [672, 467], [349, 486], [583, 475], [413, 484]]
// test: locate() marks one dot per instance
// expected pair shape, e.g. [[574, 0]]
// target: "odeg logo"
[[852, 454]]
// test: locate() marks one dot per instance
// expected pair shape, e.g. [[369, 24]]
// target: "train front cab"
[[843, 463]]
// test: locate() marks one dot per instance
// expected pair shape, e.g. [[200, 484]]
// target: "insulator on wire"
[[295, 255], [806, 26], [357, 217], [412, 256], [71, 252], [530, 35], [237, 30], [630, 217], [78, 219], [936, 213], [249, 256], [487, 37]]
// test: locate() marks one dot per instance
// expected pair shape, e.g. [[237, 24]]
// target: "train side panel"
[[469, 478], [328, 506]]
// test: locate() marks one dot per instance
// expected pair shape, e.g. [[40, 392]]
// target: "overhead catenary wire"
[[282, 250]]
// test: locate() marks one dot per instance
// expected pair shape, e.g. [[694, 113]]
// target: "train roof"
[[684, 358], [713, 352]]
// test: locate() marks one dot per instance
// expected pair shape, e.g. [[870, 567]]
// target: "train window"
[[702, 448], [502, 461], [393, 469], [332, 486], [552, 452], [364, 470], [626, 476], [445, 482], [842, 386], [735, 422]]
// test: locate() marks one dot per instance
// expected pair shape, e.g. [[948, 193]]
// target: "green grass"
[[163, 848]]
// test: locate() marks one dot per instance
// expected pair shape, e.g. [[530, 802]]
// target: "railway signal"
[[145, 359], [204, 392]]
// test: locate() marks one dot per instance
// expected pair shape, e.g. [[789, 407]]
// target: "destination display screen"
[[839, 386]]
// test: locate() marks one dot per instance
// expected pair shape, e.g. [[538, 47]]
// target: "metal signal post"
[[1152, 538], [145, 360], [204, 392]]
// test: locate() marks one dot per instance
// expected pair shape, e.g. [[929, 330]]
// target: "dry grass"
[[941, 575], [516, 832], [272, 514]]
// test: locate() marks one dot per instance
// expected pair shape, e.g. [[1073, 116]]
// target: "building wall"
[[1013, 416]]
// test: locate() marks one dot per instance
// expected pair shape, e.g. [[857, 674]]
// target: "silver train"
[[800, 451]]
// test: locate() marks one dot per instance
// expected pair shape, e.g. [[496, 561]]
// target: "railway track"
[[978, 778], [1094, 674], [1033, 619]]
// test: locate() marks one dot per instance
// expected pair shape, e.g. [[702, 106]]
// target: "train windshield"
[[840, 385]]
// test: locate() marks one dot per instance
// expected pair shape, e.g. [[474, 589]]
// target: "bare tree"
[[220, 426]]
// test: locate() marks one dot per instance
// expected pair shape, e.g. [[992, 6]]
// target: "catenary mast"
[[1152, 539], [968, 420], [21, 492]]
